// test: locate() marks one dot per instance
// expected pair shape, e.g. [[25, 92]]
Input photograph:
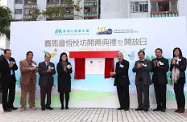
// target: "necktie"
[[30, 64], [47, 65], [11, 72], [141, 61]]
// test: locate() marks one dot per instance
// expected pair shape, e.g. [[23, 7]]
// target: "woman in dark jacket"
[[178, 67], [64, 79]]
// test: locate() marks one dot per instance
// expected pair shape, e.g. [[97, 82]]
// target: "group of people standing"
[[159, 66], [28, 69], [46, 69]]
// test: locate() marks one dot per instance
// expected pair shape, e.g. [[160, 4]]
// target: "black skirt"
[[64, 84]]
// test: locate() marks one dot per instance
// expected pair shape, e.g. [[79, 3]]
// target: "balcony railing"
[[30, 3], [57, 5], [164, 13], [30, 6], [90, 4], [90, 14]]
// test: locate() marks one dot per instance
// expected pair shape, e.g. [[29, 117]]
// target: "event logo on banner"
[[72, 32], [103, 31], [128, 36]]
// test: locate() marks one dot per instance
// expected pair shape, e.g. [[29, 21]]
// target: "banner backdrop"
[[126, 35]]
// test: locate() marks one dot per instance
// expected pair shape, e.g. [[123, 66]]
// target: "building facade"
[[21, 8], [99, 9]]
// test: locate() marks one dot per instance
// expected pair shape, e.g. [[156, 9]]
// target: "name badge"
[[121, 66], [68, 66], [145, 65], [33, 65], [160, 63]]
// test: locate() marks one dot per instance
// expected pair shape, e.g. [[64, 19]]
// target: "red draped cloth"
[[109, 67], [79, 68]]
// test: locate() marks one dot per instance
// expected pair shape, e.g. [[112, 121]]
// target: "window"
[[163, 6], [18, 11], [137, 7], [18, 1], [51, 1], [30, 1], [174, 5], [153, 6]]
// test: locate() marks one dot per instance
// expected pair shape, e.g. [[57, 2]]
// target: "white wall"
[[139, 15], [113, 9], [19, 16], [81, 12], [42, 4], [4, 42], [182, 8], [11, 5], [4, 2]]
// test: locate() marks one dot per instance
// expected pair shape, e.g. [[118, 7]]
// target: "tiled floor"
[[91, 115]]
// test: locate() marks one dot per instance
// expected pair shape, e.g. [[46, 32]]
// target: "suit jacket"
[[5, 70], [26, 73], [145, 69], [121, 76], [64, 78], [181, 66], [46, 78], [159, 73], [61, 74]]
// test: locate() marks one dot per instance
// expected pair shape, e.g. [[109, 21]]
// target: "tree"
[[5, 19], [59, 12]]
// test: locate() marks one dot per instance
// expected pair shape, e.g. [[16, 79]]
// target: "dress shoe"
[[163, 110], [146, 110], [182, 110], [126, 109], [14, 108], [67, 107], [43, 109], [139, 109], [120, 108], [157, 109], [177, 110], [49, 108], [7, 110], [62, 108]]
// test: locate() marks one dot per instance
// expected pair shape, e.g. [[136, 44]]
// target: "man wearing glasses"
[[8, 80]]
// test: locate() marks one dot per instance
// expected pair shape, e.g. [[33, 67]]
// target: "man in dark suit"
[[122, 82], [142, 68], [46, 70], [160, 68], [8, 80]]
